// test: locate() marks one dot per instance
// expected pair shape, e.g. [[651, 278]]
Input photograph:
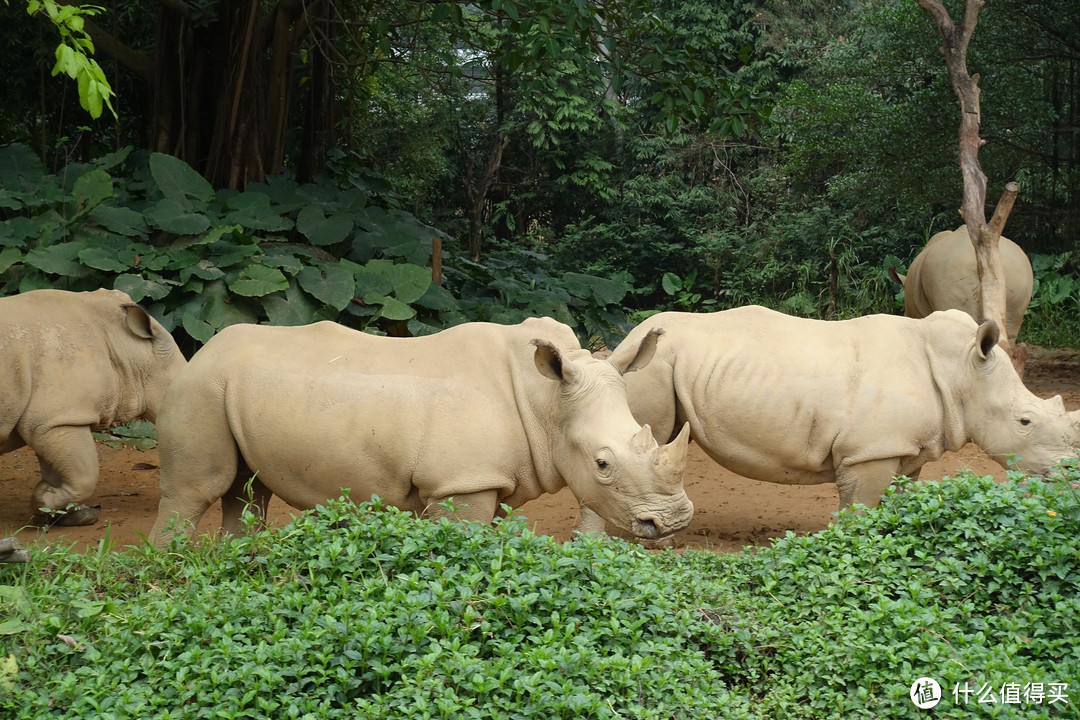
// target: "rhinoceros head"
[[612, 464], [154, 358], [1009, 422]]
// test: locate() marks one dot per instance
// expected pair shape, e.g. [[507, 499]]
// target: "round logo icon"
[[925, 693]]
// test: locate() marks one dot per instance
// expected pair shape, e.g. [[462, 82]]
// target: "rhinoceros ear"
[[646, 350], [986, 337], [138, 321], [549, 361]]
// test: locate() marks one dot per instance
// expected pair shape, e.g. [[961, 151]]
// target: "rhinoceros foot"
[[80, 515], [12, 552]]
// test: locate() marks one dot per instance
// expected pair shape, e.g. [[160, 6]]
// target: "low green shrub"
[[363, 611]]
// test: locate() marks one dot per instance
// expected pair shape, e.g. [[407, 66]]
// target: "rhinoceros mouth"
[[647, 529]]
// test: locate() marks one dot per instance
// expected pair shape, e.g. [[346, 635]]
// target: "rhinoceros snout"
[[653, 527]]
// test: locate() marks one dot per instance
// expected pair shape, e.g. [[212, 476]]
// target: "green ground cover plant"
[[360, 611]]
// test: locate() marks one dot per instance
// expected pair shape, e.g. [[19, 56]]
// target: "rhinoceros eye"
[[1025, 421], [603, 464]]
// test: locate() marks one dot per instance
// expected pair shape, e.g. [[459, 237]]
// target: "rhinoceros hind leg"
[[69, 472], [865, 483], [246, 491], [478, 506]]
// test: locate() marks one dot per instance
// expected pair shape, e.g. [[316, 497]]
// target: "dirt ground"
[[731, 512]]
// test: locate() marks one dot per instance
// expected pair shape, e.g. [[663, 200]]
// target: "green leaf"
[[252, 210], [8, 257], [292, 308], [173, 216], [257, 280], [221, 310], [175, 178], [604, 290], [93, 188], [331, 284], [102, 259], [196, 327], [389, 307], [120, 220], [14, 626], [62, 259], [140, 288], [14, 232], [671, 283], [322, 230], [410, 281]]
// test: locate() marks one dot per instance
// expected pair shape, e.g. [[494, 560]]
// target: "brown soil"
[[731, 511]]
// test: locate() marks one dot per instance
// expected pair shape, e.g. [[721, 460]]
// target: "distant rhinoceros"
[[482, 413], [944, 276], [855, 402], [71, 363]]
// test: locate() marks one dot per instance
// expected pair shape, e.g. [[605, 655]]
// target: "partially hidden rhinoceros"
[[71, 363], [482, 413], [855, 402], [944, 276]]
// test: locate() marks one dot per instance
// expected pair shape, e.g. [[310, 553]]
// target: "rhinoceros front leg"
[[69, 473], [864, 483], [478, 506], [589, 521]]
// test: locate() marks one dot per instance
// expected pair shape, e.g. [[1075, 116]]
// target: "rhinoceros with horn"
[[944, 275], [74, 363], [855, 402], [482, 413]]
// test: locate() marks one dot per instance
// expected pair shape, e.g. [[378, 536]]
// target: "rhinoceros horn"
[[643, 441], [672, 457]]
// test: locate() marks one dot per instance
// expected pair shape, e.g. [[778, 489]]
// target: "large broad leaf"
[[195, 326], [14, 232], [220, 309], [8, 257], [20, 166], [409, 282], [173, 216], [390, 308], [92, 189], [603, 290], [101, 258], [395, 234], [175, 178], [252, 210], [331, 284], [257, 280], [322, 230], [294, 307], [120, 220], [60, 259], [140, 288]]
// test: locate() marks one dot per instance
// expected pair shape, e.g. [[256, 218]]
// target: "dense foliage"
[[781, 152], [367, 612], [281, 252]]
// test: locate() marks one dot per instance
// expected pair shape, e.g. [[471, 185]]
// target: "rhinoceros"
[[73, 363], [482, 413], [944, 276], [855, 402]]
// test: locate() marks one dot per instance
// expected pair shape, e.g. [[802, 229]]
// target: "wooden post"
[[436, 260]]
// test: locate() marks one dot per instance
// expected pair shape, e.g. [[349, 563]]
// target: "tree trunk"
[[984, 237], [221, 83]]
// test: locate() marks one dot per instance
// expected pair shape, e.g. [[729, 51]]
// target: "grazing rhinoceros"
[[944, 276], [72, 363], [484, 413], [855, 402]]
